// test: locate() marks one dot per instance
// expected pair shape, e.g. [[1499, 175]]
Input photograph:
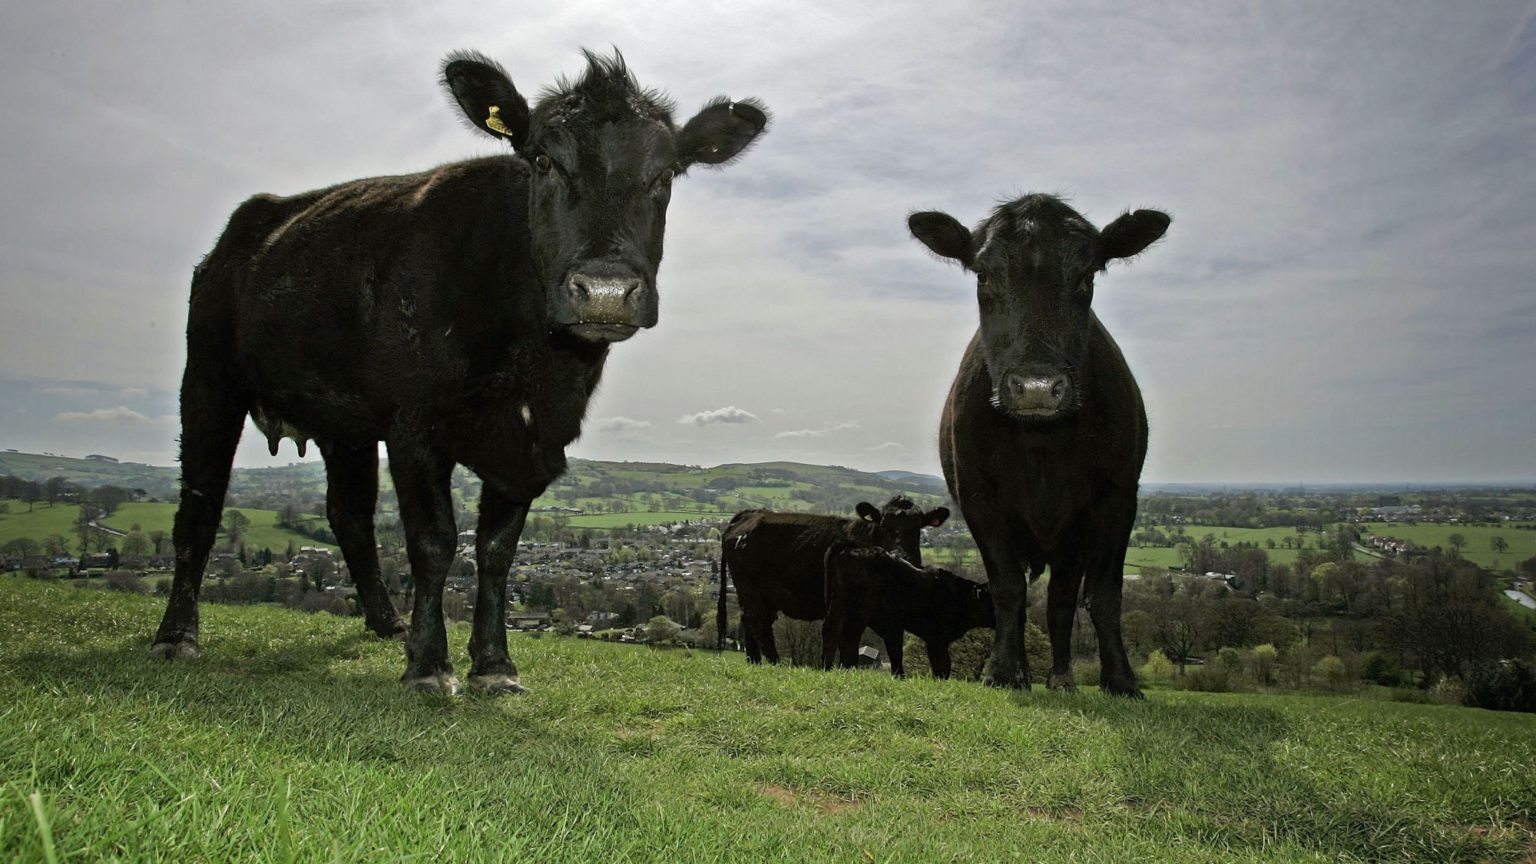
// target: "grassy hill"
[[60, 519], [292, 741]]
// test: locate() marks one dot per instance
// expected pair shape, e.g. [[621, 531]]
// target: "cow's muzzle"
[[1038, 395], [605, 307]]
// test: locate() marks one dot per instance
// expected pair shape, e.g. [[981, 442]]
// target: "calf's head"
[[603, 153], [1034, 260], [898, 526]]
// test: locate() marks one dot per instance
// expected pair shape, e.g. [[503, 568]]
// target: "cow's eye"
[[543, 163], [981, 280], [663, 179]]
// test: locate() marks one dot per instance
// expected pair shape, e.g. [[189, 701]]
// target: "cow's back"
[[776, 559], [341, 305]]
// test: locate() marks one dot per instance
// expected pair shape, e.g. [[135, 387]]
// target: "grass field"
[[1522, 541], [291, 741], [263, 531], [620, 520]]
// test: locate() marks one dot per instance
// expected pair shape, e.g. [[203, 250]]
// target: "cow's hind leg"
[[212, 416], [1061, 612], [352, 492], [426, 513], [501, 523]]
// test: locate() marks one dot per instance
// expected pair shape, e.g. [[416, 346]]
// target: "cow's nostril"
[[1059, 388]]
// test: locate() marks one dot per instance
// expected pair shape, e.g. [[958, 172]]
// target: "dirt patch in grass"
[[826, 805]]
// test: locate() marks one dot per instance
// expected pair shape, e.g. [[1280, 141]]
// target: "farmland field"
[[291, 740]]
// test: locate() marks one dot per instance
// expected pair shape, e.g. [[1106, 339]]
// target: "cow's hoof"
[[1125, 693], [1063, 683], [496, 684], [442, 682], [1009, 683], [185, 649], [395, 630]]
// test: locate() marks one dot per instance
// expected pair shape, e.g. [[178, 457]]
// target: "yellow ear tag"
[[494, 123]]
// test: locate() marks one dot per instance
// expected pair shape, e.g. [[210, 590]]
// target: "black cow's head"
[[898, 526], [1034, 260], [603, 153]]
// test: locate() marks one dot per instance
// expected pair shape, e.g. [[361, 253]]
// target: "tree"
[[1457, 542], [135, 547], [235, 524], [1263, 659], [22, 547], [109, 498], [661, 630], [85, 528], [1498, 544]]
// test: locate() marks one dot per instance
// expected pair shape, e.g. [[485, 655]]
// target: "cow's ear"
[[720, 132], [485, 93], [868, 512], [936, 516], [943, 235], [1132, 233]]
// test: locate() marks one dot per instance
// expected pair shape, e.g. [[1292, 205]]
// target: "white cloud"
[[823, 432], [121, 415], [728, 414], [622, 427], [887, 447]]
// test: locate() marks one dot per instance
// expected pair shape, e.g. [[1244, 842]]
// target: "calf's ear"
[[1132, 233], [868, 512], [487, 97], [943, 235], [720, 132], [936, 516]]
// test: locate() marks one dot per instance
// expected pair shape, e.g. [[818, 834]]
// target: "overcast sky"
[[1346, 292]]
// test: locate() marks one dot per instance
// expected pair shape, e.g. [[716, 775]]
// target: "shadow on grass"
[[1214, 773]]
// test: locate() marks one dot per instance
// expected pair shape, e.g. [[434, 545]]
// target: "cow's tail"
[[720, 606]]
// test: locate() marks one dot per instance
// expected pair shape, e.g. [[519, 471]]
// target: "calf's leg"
[[351, 494], [212, 416], [501, 523]]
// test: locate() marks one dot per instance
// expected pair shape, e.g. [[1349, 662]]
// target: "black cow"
[[777, 561], [869, 587], [461, 315], [1044, 432]]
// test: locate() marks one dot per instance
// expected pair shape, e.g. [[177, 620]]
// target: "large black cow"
[[1044, 433], [777, 561], [869, 587], [461, 315]]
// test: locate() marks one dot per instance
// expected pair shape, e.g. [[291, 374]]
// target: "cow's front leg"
[[501, 523], [1009, 579], [426, 514]]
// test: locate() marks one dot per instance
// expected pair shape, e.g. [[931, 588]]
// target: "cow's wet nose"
[[1037, 393], [607, 299]]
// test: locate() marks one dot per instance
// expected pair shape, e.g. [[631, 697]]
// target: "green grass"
[[41, 522], [291, 740], [263, 531], [640, 518], [1522, 542]]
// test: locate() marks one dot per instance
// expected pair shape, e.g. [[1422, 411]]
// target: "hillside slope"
[[291, 740]]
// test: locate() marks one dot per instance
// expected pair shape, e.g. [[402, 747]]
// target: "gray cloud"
[[120, 414], [729, 414], [824, 431], [622, 427], [1343, 286]]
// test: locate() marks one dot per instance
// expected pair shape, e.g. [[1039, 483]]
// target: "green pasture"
[[263, 532], [291, 740], [1519, 535]]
